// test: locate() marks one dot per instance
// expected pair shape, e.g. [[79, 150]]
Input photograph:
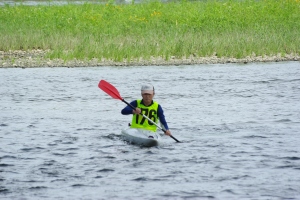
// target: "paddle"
[[114, 93]]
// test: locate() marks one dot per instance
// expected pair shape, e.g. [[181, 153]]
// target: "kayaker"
[[148, 107]]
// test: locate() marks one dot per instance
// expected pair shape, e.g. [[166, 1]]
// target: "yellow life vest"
[[138, 121]]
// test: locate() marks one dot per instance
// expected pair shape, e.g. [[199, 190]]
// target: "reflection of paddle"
[[114, 93]]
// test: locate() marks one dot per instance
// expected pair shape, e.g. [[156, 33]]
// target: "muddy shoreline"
[[36, 58]]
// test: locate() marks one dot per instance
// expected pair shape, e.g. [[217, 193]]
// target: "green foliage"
[[178, 28]]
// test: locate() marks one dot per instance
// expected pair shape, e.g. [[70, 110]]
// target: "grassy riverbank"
[[235, 29]]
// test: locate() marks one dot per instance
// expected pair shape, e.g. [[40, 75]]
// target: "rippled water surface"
[[240, 127]]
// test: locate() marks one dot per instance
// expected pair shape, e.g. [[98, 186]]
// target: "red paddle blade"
[[109, 89]]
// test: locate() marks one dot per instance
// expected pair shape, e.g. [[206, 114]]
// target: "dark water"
[[240, 127]]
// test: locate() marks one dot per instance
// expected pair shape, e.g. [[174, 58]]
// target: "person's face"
[[147, 98]]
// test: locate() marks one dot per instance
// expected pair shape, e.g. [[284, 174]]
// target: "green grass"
[[132, 31]]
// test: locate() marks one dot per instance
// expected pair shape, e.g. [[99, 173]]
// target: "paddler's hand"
[[137, 111], [168, 132]]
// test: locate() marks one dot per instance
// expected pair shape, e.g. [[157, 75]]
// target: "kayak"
[[114, 93], [141, 137]]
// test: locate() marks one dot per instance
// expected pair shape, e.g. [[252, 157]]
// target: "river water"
[[239, 126]]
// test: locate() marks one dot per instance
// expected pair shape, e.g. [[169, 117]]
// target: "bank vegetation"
[[149, 31]]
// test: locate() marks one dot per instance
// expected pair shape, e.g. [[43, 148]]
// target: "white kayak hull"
[[141, 137]]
